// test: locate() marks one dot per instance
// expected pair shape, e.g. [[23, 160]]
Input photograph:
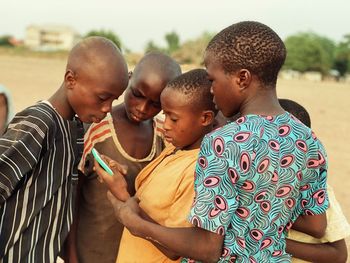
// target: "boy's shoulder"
[[266, 126], [244, 123], [41, 110], [41, 115]]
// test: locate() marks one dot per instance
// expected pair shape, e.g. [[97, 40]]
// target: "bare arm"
[[167, 252], [172, 242], [335, 252], [313, 225], [117, 186], [192, 242]]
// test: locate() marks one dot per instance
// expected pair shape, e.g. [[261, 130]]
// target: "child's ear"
[[70, 78], [208, 117], [243, 78]]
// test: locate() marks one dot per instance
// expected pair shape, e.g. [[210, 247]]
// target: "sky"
[[139, 21]]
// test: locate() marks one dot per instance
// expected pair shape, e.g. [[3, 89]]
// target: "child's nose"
[[106, 107], [142, 108], [166, 125]]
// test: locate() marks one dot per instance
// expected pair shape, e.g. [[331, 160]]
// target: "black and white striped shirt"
[[39, 154]]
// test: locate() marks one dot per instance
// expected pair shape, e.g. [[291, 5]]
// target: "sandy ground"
[[33, 79]]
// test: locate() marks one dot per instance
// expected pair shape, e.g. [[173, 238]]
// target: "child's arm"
[[320, 253], [193, 242], [313, 225], [167, 252]]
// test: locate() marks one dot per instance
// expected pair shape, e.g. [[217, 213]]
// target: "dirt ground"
[[33, 79]]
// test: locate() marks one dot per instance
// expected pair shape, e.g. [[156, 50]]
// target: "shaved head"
[[96, 75], [97, 55], [158, 64]]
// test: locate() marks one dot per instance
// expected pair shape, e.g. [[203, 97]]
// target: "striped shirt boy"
[[39, 153]]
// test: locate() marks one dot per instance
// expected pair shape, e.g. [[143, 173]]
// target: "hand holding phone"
[[101, 162]]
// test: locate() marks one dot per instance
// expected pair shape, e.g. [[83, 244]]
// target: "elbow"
[[318, 233], [318, 230], [212, 256], [341, 257]]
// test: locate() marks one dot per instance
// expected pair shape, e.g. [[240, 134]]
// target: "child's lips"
[[98, 119], [136, 117], [168, 138]]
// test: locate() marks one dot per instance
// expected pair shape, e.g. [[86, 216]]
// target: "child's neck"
[[263, 102], [59, 101], [196, 144]]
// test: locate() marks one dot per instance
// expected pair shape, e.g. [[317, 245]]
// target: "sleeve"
[[21, 146], [314, 189], [86, 166], [96, 133], [215, 195], [183, 200]]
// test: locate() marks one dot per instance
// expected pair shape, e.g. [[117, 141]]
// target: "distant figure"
[[130, 135], [41, 148], [6, 106], [331, 247]]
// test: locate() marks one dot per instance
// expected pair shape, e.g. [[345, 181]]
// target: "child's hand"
[[116, 183], [127, 212]]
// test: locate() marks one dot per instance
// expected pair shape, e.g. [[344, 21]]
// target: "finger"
[[106, 158], [123, 169], [114, 165], [136, 199], [99, 171]]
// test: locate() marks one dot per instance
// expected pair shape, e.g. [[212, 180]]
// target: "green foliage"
[[5, 41], [107, 34], [309, 52], [151, 46], [342, 56], [191, 52], [173, 41]]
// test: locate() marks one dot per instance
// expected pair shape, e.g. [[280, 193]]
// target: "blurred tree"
[[309, 52], [342, 56], [5, 40], [151, 46], [107, 34], [173, 41], [191, 52]]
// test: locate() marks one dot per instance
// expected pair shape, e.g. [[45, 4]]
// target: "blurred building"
[[50, 37]]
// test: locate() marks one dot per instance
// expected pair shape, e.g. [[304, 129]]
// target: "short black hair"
[[249, 45], [297, 110], [196, 86]]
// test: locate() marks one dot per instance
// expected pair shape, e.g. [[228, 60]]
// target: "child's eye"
[[136, 93], [103, 98], [156, 104]]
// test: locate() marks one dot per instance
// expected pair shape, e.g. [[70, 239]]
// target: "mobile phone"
[[101, 162]]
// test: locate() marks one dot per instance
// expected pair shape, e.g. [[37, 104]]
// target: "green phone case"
[[101, 162]]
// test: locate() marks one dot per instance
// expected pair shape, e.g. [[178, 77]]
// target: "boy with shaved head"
[[129, 135], [41, 148]]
